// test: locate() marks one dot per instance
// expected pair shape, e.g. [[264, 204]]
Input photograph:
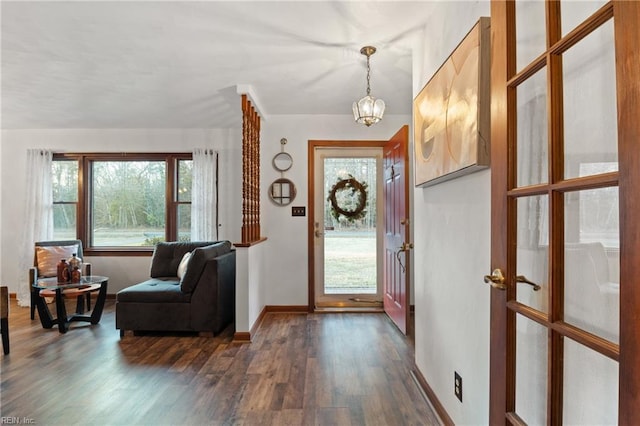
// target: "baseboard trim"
[[287, 309], [431, 397], [241, 337], [245, 336]]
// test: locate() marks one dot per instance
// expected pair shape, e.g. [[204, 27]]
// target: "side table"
[[88, 283]]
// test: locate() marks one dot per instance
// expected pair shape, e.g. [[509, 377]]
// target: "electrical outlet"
[[298, 211], [457, 385]]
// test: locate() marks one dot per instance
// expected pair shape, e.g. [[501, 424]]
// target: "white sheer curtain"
[[204, 195], [38, 215]]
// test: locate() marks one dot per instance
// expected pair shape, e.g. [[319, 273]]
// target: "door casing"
[[313, 144]]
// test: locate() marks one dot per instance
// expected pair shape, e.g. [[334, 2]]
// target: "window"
[[122, 203], [65, 199]]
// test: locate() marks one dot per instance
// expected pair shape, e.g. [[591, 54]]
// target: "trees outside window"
[[118, 202], [65, 199]]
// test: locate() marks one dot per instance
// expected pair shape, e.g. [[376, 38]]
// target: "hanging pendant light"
[[368, 110]]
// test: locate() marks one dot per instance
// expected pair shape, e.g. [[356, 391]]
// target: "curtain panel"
[[204, 194], [38, 214]]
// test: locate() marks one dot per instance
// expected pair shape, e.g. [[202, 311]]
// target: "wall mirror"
[[282, 161], [282, 191]]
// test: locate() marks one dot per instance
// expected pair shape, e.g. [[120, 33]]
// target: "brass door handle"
[[523, 279], [318, 234], [496, 279], [406, 246], [403, 247]]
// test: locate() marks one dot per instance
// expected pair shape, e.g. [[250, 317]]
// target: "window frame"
[[83, 206]]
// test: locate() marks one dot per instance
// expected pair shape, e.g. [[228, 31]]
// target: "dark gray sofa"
[[202, 301]]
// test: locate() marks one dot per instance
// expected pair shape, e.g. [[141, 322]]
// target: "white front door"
[[347, 226]]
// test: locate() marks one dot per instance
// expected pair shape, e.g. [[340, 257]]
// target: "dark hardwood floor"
[[317, 369]]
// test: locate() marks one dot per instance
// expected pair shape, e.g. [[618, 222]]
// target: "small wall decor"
[[348, 198], [282, 191], [451, 115]]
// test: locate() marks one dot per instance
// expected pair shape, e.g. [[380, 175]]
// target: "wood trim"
[[250, 172], [583, 30], [502, 68], [242, 337], [558, 47], [598, 344], [515, 420], [555, 212], [105, 252], [562, 328], [245, 336], [252, 243], [313, 144], [170, 205], [432, 397], [83, 208], [286, 309], [627, 34], [575, 184]]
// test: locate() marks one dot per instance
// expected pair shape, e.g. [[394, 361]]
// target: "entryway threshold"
[[348, 309]]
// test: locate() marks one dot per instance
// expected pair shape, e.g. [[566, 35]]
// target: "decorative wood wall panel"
[[250, 172]]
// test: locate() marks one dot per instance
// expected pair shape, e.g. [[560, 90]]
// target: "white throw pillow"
[[47, 258], [182, 268]]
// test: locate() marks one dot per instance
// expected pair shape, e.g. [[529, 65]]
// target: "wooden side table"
[[78, 293], [51, 287]]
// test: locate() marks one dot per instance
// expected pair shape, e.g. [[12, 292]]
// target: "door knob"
[[402, 248], [406, 246], [496, 279], [318, 234], [523, 279]]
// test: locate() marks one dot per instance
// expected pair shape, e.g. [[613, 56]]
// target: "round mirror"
[[282, 161], [282, 191]]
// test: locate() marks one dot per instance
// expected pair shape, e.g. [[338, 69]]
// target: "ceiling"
[[178, 64]]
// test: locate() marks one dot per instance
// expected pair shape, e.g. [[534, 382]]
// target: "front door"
[[346, 224], [565, 233], [396, 229]]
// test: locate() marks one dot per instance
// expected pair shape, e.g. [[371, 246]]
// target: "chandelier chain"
[[368, 77]]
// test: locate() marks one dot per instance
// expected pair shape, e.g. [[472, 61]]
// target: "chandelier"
[[368, 110]]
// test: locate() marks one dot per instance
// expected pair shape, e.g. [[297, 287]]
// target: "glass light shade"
[[368, 110]]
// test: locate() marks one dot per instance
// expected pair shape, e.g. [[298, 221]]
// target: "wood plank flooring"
[[317, 369]]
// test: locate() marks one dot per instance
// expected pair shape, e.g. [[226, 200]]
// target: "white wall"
[[287, 272], [122, 271], [452, 251], [251, 274]]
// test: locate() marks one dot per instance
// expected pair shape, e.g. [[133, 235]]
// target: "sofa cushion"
[[199, 257], [154, 291], [167, 256]]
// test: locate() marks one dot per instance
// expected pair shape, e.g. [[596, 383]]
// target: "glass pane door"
[[348, 269], [563, 235]]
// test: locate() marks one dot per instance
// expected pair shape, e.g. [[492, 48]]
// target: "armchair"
[[47, 254]]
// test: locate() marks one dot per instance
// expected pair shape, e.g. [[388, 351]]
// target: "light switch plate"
[[298, 211]]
